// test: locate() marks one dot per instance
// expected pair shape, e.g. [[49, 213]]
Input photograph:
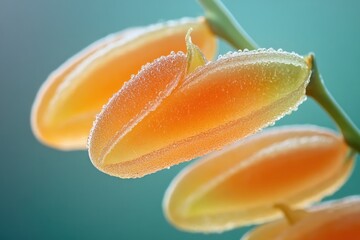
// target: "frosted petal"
[[136, 99]]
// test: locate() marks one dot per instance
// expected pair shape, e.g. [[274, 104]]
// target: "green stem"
[[318, 91], [225, 26]]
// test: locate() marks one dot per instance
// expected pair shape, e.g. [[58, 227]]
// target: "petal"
[[217, 104], [195, 57], [240, 184], [136, 99], [68, 101], [335, 220]]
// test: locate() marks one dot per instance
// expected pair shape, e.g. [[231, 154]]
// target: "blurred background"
[[49, 194]]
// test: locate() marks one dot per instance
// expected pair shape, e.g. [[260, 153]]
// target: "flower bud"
[[240, 184], [214, 105], [335, 220], [67, 103]]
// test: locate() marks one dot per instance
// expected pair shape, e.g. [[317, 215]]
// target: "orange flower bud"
[[240, 184], [215, 104], [69, 100], [335, 220]]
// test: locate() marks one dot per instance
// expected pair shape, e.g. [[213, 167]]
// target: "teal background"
[[49, 194]]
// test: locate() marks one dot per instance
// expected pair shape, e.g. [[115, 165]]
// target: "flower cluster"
[[180, 106]]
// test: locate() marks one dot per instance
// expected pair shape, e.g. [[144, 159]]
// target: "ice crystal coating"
[[136, 99]]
